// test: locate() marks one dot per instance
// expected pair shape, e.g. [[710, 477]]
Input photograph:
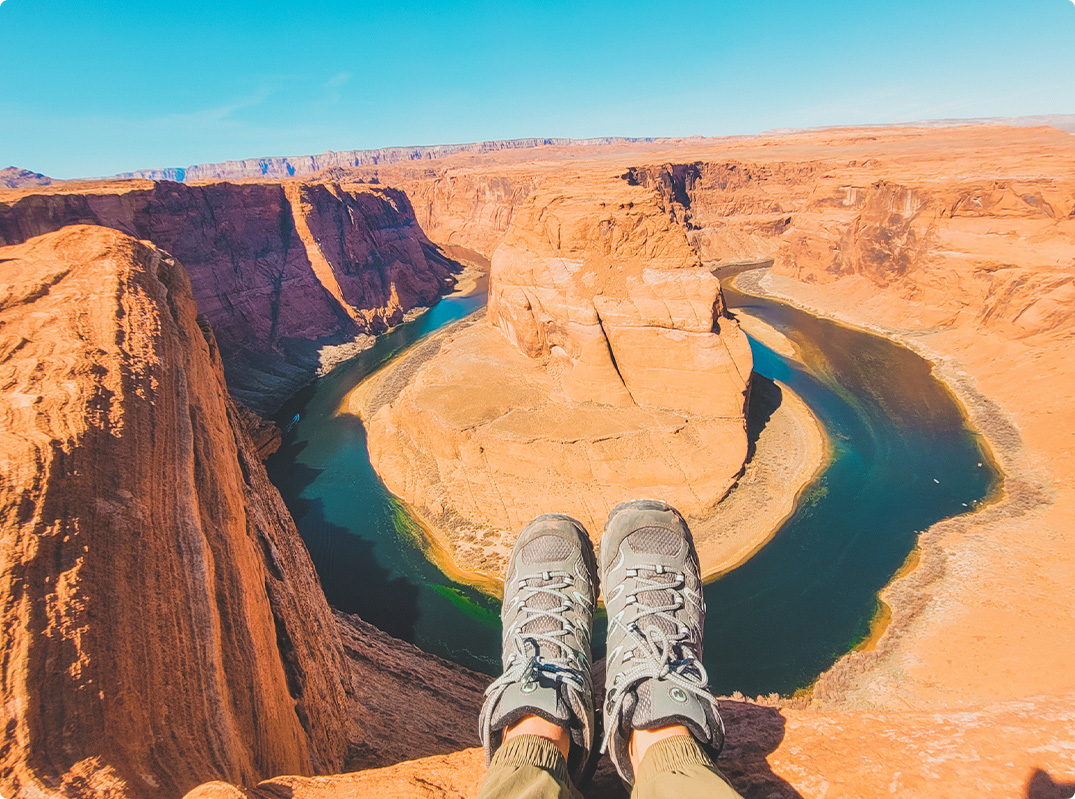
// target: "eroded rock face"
[[162, 623], [279, 270], [972, 226], [1000, 252], [733, 210], [468, 209], [606, 370], [612, 293]]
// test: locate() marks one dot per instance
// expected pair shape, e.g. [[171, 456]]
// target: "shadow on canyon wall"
[[765, 398]]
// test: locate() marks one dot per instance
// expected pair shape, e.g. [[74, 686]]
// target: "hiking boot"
[[550, 591], [654, 675]]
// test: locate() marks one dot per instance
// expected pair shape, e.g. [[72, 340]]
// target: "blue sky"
[[95, 88]]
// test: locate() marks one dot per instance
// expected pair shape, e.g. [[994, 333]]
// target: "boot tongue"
[[653, 547], [543, 624], [657, 597], [660, 703], [541, 697]]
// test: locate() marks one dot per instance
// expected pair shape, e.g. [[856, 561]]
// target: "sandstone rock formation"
[[280, 272], [998, 250], [607, 369], [468, 210], [1013, 749], [162, 623], [161, 619], [958, 240]]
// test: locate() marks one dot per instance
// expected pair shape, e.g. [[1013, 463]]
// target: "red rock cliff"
[[279, 271], [161, 621]]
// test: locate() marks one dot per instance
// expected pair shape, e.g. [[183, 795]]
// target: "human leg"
[[677, 767], [528, 767]]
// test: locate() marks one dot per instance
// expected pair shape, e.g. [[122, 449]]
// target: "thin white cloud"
[[333, 85], [341, 78]]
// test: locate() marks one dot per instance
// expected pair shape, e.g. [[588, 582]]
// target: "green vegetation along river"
[[902, 459]]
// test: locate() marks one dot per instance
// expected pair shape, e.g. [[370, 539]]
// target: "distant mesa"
[[292, 166], [15, 178]]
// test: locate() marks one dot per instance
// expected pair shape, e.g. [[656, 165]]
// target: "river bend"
[[902, 459]]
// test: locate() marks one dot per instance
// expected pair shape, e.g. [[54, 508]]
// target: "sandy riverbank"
[[978, 616], [790, 451]]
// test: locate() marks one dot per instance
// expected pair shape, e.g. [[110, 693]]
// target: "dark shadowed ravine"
[[902, 459]]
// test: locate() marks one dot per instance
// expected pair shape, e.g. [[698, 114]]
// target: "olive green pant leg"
[[528, 767], [677, 768]]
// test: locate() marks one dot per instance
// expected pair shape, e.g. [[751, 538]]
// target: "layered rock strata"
[[282, 272], [468, 210], [606, 369], [162, 621], [941, 703], [997, 254]]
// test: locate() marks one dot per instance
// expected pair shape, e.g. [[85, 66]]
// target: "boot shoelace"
[[528, 661], [657, 654]]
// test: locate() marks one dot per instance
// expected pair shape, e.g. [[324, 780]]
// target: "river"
[[902, 459]]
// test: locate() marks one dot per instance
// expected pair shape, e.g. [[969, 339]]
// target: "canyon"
[[180, 559], [290, 276], [959, 243]]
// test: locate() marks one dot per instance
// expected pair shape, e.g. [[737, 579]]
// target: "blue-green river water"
[[902, 459]]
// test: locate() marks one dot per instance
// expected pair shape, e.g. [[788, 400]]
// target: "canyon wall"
[[281, 271], [468, 210], [162, 621], [733, 211], [992, 253], [605, 369], [974, 222]]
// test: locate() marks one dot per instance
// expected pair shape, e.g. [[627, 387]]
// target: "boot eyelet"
[[529, 687]]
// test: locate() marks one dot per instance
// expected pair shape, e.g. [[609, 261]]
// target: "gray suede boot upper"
[[550, 591], [653, 590]]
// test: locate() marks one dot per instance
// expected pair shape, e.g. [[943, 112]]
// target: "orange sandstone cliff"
[[162, 622], [284, 273], [606, 368]]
